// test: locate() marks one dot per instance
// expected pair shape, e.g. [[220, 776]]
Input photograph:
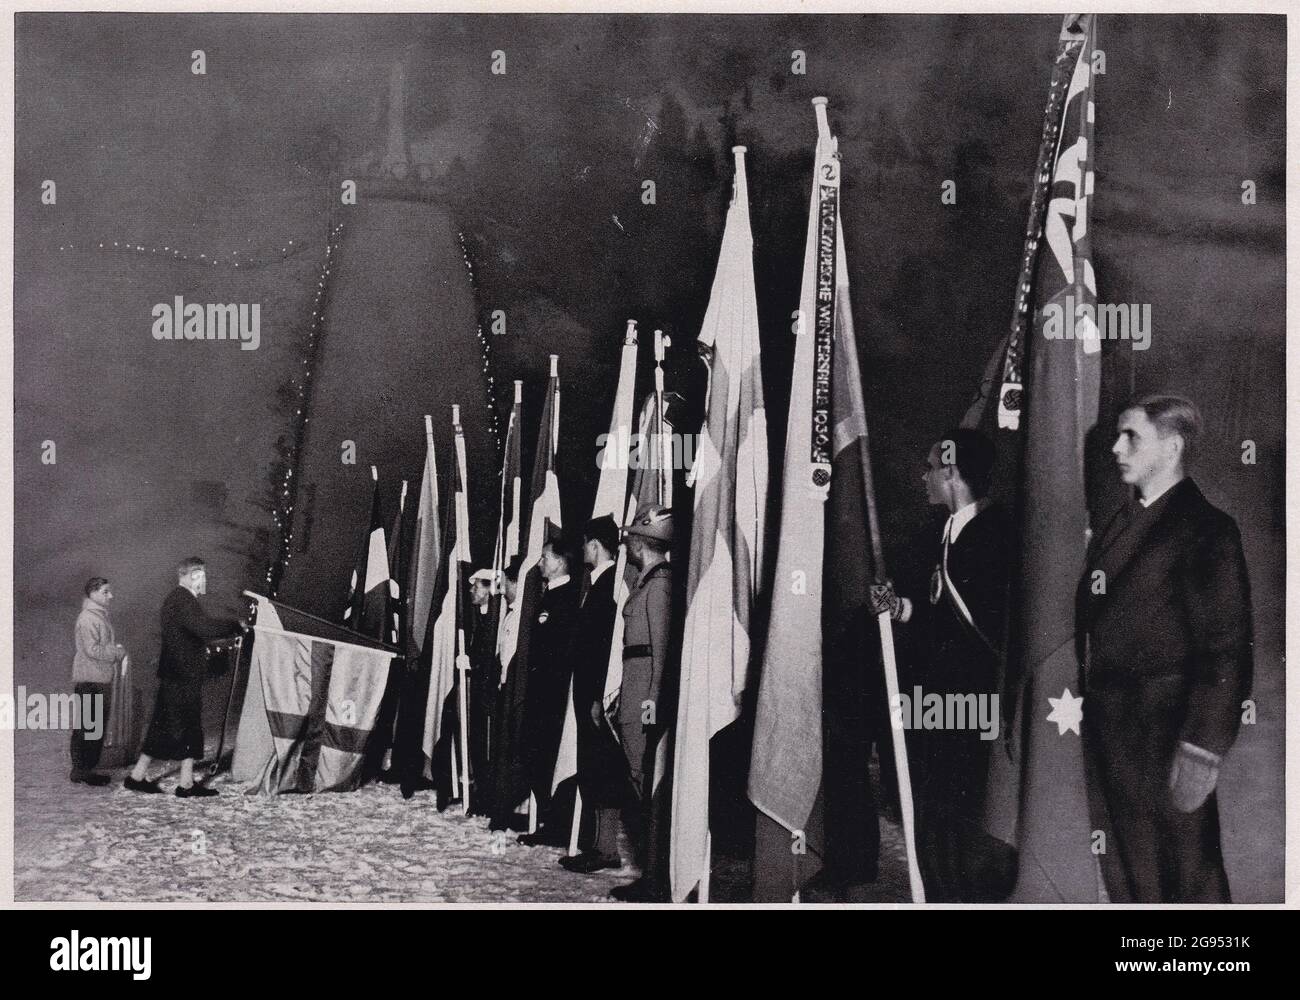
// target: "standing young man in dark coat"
[[176, 731], [1165, 617], [602, 771], [482, 640], [509, 763], [549, 671], [960, 630]]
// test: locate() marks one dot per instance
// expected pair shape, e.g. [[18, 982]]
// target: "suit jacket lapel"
[[1124, 547]]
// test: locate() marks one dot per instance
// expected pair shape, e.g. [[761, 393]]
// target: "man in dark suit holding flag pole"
[[960, 624]]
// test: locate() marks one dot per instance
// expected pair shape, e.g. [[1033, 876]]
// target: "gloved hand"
[[1192, 777], [884, 599]]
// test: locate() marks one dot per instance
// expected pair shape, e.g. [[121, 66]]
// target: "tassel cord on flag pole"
[[891, 683]]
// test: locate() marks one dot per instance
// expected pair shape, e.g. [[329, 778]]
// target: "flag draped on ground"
[[611, 500], [1049, 394], [819, 614], [510, 775], [439, 655], [726, 561], [321, 686], [369, 593]]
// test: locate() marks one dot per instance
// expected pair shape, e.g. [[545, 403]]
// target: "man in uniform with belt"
[[643, 702]]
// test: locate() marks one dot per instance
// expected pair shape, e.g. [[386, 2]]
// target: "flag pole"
[[891, 685], [661, 342], [462, 658]]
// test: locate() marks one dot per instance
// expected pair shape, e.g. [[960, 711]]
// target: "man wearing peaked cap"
[[642, 706]]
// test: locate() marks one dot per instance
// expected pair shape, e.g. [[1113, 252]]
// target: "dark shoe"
[[640, 891], [195, 792], [588, 862], [148, 787], [89, 778], [542, 838]]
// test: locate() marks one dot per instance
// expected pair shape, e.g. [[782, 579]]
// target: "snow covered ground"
[[73, 842]]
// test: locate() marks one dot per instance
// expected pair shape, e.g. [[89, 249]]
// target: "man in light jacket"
[[94, 663]]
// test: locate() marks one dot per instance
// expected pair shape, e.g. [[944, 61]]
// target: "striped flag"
[[543, 513], [1050, 393], [426, 556], [444, 634], [817, 633], [726, 561], [508, 526], [611, 500], [321, 687], [369, 593], [396, 608]]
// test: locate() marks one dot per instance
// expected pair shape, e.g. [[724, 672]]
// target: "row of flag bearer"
[[572, 690]]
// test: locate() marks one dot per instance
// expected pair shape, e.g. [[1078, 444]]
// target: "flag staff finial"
[[819, 106], [662, 342], [455, 414], [519, 390], [629, 337], [428, 425], [374, 473], [555, 366]]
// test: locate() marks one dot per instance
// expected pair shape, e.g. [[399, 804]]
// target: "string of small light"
[[234, 259], [287, 490], [485, 350]]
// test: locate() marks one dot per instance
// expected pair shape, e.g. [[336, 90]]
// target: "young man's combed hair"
[[1173, 415]]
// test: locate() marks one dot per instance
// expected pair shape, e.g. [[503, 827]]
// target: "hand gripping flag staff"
[[611, 497], [821, 597]]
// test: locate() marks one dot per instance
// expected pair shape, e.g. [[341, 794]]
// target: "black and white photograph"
[[648, 460]]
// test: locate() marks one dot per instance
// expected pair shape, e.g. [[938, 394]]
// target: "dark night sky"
[[535, 166]]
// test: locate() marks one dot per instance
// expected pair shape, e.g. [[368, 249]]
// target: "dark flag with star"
[[1049, 400]]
